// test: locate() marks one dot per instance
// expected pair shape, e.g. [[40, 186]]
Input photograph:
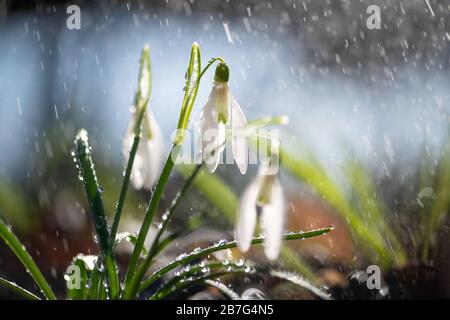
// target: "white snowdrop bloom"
[[222, 110], [149, 155], [148, 158], [265, 194]]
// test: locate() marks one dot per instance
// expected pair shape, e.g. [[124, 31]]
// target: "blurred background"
[[367, 146]]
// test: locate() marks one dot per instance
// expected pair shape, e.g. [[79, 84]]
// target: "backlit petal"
[[246, 219], [148, 158], [155, 149], [212, 135], [222, 101], [239, 141], [272, 220]]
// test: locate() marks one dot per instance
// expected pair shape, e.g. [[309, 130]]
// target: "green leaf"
[[300, 281], [18, 290], [372, 209], [22, 254], [193, 75], [440, 205], [141, 103], [312, 174], [87, 174], [198, 270], [198, 254], [190, 283], [232, 295], [17, 207]]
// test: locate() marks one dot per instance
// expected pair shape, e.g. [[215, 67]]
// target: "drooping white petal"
[[155, 149], [239, 141], [148, 158], [212, 134], [272, 219], [246, 220], [222, 101]]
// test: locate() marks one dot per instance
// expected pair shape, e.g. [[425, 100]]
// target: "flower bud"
[[222, 73]]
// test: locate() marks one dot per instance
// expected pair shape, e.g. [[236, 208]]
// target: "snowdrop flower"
[[222, 110], [149, 155], [264, 195], [148, 158]]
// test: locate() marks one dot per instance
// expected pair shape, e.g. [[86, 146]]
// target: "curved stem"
[[194, 70], [131, 277], [210, 63], [170, 212], [124, 189], [141, 103]]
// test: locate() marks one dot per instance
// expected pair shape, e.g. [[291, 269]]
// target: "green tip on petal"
[[222, 73]]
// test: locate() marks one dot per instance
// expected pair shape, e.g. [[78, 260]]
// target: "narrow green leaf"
[[22, 254], [198, 254], [302, 282], [17, 207], [317, 179], [96, 280], [141, 102], [232, 295], [191, 283], [133, 278], [441, 204], [201, 269], [87, 174], [372, 209], [18, 290], [193, 75]]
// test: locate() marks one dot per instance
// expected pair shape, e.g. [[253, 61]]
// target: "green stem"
[[124, 189], [194, 75], [232, 244], [157, 244], [210, 63], [18, 290], [141, 103], [22, 254], [131, 279], [169, 214]]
